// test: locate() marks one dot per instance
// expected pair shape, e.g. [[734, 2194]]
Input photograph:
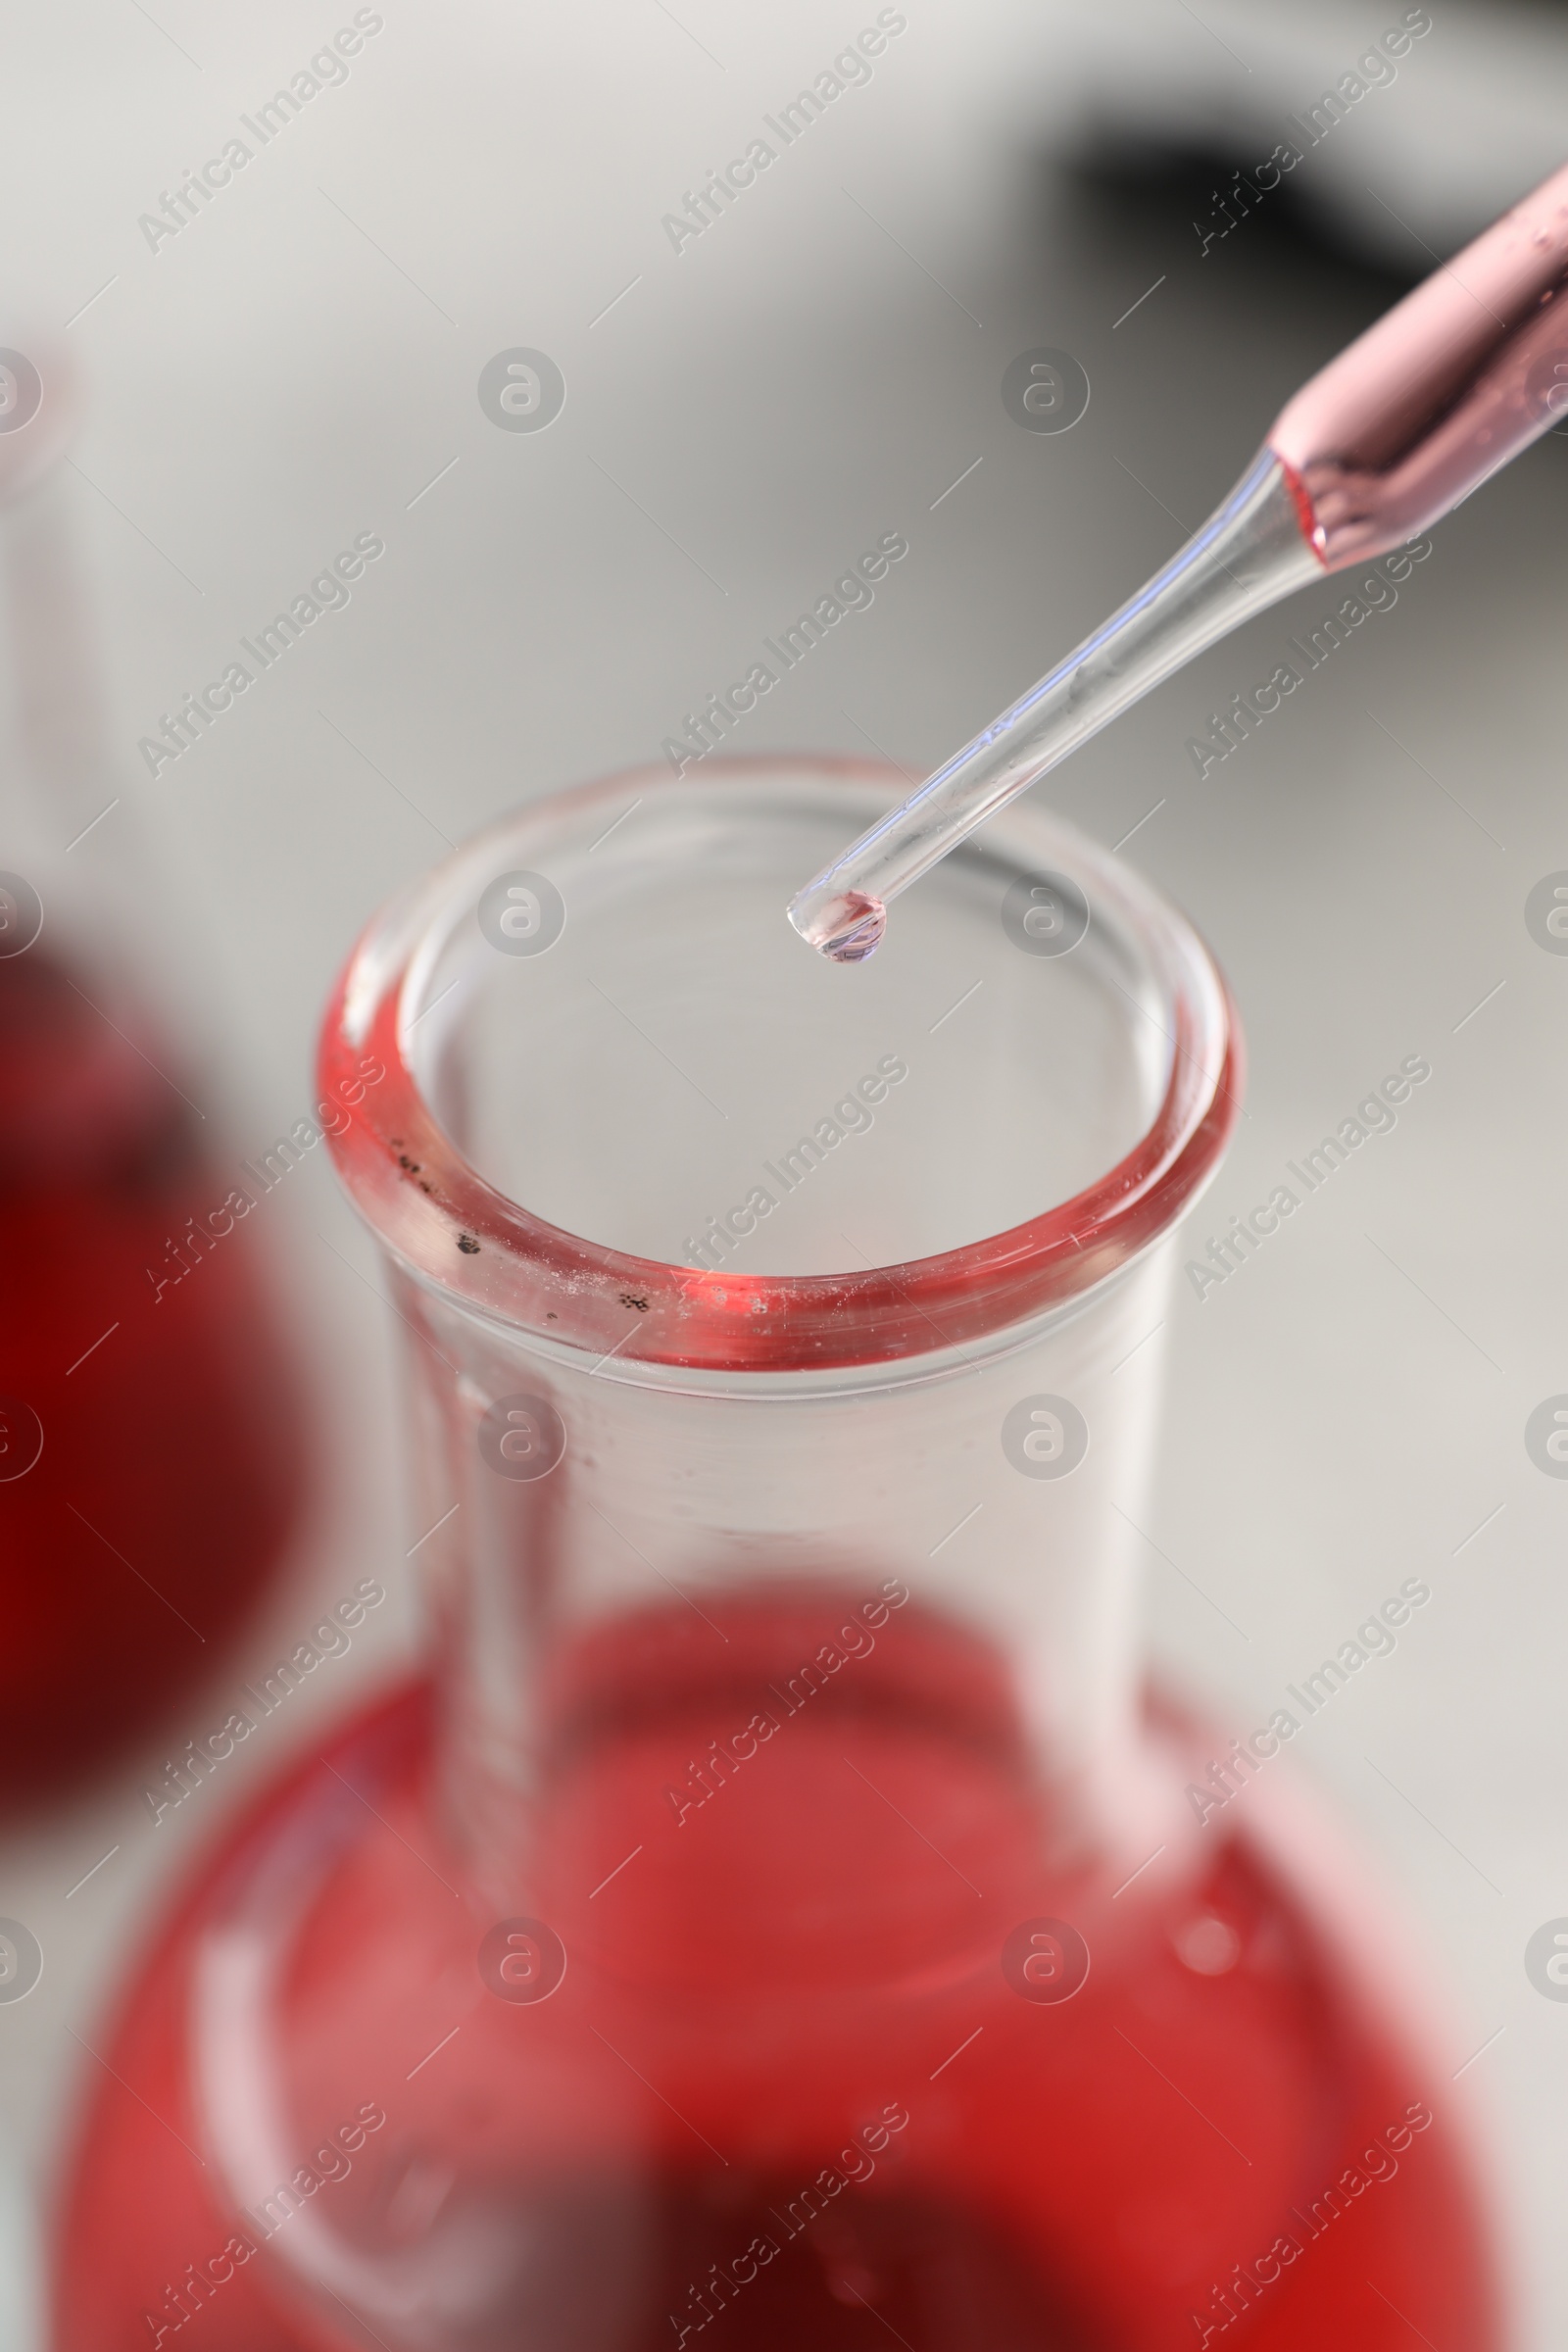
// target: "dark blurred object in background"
[[1389, 141]]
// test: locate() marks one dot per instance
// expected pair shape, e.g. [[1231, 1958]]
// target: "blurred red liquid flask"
[[778, 1920], [153, 1438]]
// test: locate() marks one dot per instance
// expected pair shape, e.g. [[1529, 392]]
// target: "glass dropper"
[[1447, 387]]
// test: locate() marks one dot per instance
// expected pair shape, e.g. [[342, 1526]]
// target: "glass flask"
[[153, 1439], [780, 1917]]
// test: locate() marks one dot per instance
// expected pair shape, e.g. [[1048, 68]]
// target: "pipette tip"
[[847, 930]]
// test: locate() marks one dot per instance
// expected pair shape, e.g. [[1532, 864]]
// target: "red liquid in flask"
[[171, 1439], [796, 2084]]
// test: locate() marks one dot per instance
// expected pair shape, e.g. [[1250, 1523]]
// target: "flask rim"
[[484, 1253]]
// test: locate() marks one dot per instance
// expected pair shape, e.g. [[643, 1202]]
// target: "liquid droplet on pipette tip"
[[847, 929]]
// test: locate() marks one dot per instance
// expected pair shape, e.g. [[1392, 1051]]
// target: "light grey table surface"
[[299, 365]]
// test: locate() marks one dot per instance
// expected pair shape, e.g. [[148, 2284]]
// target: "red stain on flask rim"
[[536, 1276]]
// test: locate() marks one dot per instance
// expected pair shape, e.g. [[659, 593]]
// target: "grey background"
[[821, 366]]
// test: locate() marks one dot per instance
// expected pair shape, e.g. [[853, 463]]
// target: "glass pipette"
[[1413, 416]]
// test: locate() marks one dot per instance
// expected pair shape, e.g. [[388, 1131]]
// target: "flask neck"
[[666, 1565]]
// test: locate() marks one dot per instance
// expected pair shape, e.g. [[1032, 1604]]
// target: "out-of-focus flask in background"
[[152, 1435]]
